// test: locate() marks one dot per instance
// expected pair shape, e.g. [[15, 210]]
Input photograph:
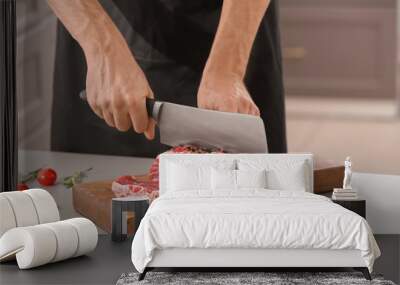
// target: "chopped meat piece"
[[124, 180]]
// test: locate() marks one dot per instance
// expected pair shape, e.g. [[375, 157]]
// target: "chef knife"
[[230, 132]]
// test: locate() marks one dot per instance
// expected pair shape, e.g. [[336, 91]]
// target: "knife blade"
[[231, 132]]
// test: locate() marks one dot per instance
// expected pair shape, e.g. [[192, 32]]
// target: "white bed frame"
[[251, 258], [234, 257]]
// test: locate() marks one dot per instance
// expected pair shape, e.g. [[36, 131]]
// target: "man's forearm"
[[234, 39], [87, 22], [116, 86]]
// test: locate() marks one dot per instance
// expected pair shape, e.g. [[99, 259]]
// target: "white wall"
[[382, 193]]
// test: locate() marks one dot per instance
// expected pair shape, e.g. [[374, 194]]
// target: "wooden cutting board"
[[93, 199]]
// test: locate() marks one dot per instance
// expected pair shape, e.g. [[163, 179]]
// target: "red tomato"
[[22, 187], [46, 177]]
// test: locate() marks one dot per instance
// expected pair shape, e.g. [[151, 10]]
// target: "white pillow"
[[292, 179], [235, 179], [186, 174], [251, 178], [281, 174], [181, 177], [223, 179]]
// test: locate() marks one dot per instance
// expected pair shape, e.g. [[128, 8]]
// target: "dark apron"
[[171, 41]]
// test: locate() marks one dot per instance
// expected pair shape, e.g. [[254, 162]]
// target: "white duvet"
[[250, 219]]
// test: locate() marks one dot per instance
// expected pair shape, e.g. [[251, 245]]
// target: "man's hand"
[[222, 86], [116, 87], [226, 94]]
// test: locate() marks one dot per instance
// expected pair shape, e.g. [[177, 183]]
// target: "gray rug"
[[268, 278]]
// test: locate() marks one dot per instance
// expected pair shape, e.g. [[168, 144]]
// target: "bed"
[[247, 211]]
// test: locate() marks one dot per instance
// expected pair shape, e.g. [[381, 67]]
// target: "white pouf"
[[23, 208], [87, 233], [26, 208], [37, 245], [65, 236], [7, 218], [31, 232], [46, 207]]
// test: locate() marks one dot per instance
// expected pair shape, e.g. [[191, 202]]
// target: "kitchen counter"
[[105, 167]]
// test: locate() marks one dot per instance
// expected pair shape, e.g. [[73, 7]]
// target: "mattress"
[[250, 219]]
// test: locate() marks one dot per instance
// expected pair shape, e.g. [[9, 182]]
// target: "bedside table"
[[357, 206], [119, 209]]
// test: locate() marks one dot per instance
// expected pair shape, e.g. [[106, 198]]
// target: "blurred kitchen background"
[[341, 70]]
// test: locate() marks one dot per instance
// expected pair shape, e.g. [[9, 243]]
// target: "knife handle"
[[149, 103], [150, 106]]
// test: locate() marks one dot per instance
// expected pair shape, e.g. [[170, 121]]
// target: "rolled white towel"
[[40, 244]]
